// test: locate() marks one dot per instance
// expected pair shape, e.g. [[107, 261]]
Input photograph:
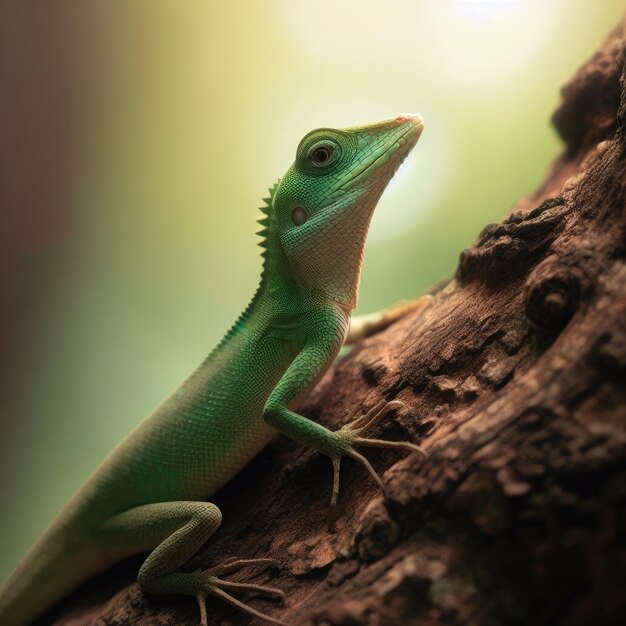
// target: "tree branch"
[[514, 381]]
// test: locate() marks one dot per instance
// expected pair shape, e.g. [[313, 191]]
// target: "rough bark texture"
[[514, 380]]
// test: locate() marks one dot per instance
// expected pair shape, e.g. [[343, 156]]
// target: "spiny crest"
[[265, 220]]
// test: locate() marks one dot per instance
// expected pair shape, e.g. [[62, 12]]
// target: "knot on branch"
[[553, 294], [591, 98], [378, 533], [507, 250]]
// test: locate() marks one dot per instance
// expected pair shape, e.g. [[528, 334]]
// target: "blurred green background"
[[138, 139]]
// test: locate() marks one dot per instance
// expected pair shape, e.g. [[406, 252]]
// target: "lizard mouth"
[[381, 164]]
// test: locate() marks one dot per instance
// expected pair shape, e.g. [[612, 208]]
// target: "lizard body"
[[150, 493]]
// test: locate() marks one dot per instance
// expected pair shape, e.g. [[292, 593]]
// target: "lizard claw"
[[232, 564], [372, 417], [216, 588], [208, 583], [361, 425]]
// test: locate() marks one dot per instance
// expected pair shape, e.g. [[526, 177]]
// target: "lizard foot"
[[208, 583], [354, 431]]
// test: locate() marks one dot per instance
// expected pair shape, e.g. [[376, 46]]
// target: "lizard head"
[[324, 203]]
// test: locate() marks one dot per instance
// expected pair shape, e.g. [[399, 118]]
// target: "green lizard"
[[150, 492]]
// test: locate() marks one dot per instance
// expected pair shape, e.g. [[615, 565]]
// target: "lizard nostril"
[[400, 119]]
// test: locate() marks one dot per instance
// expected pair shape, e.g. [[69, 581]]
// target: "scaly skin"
[[150, 492]]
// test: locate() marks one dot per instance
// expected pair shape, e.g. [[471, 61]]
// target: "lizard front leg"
[[318, 352], [175, 531]]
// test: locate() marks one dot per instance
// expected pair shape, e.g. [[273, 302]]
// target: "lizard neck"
[[278, 291], [278, 282], [284, 282], [281, 287]]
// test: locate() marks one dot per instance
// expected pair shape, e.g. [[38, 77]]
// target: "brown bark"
[[514, 380]]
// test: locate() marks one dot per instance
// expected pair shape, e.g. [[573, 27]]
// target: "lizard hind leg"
[[175, 531], [363, 326]]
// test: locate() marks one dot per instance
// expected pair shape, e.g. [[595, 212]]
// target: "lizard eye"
[[321, 154], [299, 216]]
